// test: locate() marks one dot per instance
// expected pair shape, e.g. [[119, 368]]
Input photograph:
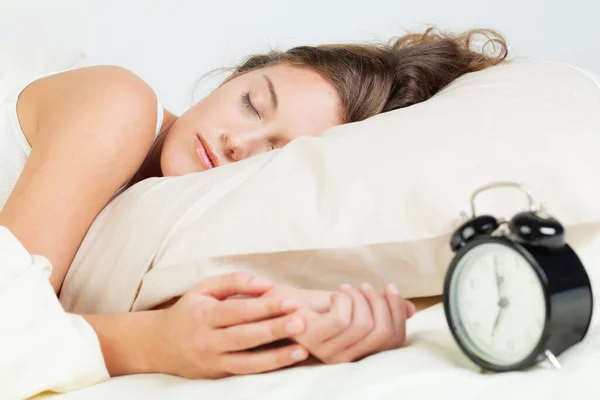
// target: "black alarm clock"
[[515, 292]]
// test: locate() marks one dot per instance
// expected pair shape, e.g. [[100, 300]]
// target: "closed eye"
[[248, 103]]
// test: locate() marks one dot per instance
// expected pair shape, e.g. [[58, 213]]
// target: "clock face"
[[497, 304]]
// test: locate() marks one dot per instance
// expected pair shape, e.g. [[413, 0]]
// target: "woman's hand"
[[207, 335], [349, 324], [317, 300]]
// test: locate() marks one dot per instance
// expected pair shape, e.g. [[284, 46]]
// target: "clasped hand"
[[212, 332]]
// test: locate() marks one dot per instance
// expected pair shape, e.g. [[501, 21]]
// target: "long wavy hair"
[[376, 78]]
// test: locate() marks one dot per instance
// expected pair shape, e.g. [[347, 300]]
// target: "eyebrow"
[[274, 99]]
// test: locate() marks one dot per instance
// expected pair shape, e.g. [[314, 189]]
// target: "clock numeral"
[[518, 265], [473, 283], [499, 260], [485, 266]]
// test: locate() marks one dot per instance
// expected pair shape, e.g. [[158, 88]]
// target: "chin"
[[176, 159], [177, 167]]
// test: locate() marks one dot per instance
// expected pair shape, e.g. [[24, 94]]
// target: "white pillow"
[[373, 201]]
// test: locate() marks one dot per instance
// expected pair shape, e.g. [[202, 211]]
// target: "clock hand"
[[502, 304], [496, 322], [499, 278]]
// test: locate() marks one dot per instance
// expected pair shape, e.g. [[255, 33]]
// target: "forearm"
[[127, 341]]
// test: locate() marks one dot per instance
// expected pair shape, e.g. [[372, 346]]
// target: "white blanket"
[[41, 346], [431, 366]]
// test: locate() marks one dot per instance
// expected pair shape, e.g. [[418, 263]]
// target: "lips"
[[207, 156]]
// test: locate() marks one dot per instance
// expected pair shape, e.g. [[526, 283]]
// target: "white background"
[[171, 43]]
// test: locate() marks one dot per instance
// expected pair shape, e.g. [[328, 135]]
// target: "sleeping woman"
[[78, 137]]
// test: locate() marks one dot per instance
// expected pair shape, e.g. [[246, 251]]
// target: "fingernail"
[[366, 286], [289, 304], [294, 326], [392, 288], [258, 283], [299, 354], [346, 286]]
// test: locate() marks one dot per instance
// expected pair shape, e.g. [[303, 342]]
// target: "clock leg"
[[552, 358]]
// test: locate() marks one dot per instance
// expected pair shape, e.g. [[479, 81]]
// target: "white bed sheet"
[[431, 366]]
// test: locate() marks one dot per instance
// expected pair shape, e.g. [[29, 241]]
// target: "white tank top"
[[14, 147]]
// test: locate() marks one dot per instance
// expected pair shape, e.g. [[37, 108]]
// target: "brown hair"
[[376, 78]]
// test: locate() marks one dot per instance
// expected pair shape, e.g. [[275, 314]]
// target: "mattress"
[[430, 366]]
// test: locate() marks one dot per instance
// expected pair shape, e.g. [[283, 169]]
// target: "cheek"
[[177, 156], [209, 116]]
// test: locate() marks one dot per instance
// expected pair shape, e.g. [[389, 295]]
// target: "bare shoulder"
[[112, 79], [93, 92]]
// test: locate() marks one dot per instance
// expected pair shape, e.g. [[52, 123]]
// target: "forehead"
[[307, 103]]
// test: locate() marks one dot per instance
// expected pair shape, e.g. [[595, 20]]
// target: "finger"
[[331, 350], [382, 331], [392, 291], [382, 315], [248, 336], [397, 306], [241, 311], [251, 362], [322, 327], [223, 286], [398, 309]]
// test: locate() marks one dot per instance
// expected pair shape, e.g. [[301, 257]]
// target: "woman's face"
[[250, 114]]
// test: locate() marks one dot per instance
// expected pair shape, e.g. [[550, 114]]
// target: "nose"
[[239, 146], [234, 147]]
